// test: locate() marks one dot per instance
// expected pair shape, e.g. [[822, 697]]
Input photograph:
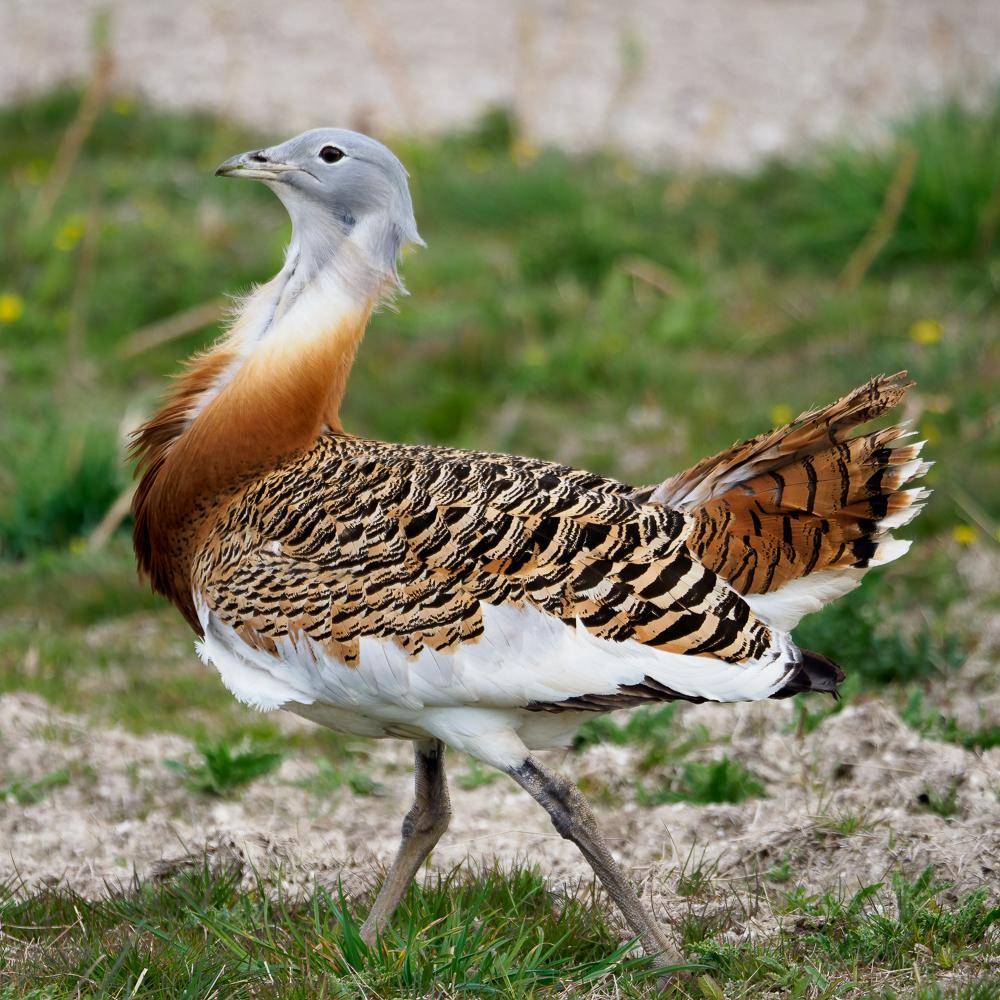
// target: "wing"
[[416, 548]]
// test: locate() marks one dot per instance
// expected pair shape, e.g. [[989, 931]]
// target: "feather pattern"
[[361, 539], [807, 504]]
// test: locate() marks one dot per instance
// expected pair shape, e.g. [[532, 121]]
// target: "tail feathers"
[[810, 432], [794, 518], [814, 673]]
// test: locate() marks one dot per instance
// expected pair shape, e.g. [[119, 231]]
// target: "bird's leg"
[[572, 816], [422, 828]]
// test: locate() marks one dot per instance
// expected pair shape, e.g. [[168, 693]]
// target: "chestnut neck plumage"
[[262, 394]]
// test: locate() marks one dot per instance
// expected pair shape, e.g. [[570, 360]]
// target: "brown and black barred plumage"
[[357, 538]]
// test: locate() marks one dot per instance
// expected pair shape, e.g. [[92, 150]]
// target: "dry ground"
[[846, 804]]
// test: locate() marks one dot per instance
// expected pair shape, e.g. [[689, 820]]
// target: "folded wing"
[[409, 555]]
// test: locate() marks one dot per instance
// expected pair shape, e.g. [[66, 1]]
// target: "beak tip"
[[228, 167], [252, 165]]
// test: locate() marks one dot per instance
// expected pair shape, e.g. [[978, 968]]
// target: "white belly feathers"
[[524, 658]]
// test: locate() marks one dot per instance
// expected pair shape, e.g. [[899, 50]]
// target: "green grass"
[[223, 768], [498, 934], [26, 792], [483, 933], [704, 782], [476, 776], [864, 631], [937, 726], [863, 943], [329, 778], [651, 729]]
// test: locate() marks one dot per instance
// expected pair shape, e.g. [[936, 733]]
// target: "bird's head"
[[337, 186]]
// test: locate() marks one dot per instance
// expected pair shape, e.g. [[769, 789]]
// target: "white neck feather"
[[292, 309]]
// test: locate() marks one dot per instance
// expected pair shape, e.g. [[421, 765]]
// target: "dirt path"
[[722, 83], [844, 807]]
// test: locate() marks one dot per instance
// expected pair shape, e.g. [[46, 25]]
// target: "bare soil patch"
[[846, 804]]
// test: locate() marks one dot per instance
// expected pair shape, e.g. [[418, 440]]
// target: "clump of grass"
[[27, 792], [705, 782], [696, 874], [864, 928], [475, 775], [908, 926], [844, 822], [780, 872], [364, 784], [641, 725], [55, 486], [329, 778], [928, 722], [224, 768], [495, 933], [942, 802], [653, 730]]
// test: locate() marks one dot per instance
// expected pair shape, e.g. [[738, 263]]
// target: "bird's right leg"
[[572, 816], [422, 828]]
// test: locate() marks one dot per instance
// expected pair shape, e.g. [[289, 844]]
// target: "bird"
[[470, 601]]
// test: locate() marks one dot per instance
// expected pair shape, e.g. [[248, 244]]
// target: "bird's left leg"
[[572, 817], [422, 828]]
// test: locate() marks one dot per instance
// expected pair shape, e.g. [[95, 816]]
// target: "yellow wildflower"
[[964, 534], [11, 307], [535, 355], [123, 105], [931, 433], [523, 151], [782, 414], [78, 546], [925, 331], [477, 162], [69, 233]]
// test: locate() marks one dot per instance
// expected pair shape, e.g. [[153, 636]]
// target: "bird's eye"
[[330, 154]]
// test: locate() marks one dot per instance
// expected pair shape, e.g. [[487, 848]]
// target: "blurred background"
[[652, 228]]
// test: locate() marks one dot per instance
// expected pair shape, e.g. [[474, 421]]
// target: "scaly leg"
[[422, 828], [572, 817]]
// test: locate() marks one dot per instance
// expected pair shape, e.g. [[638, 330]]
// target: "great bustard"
[[484, 602]]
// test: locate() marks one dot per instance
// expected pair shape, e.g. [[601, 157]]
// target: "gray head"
[[343, 190]]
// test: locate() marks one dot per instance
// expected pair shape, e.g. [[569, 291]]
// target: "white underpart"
[[474, 698], [783, 608]]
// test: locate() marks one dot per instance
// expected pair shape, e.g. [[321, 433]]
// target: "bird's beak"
[[256, 165]]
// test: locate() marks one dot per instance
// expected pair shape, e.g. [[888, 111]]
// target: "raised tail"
[[793, 519]]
